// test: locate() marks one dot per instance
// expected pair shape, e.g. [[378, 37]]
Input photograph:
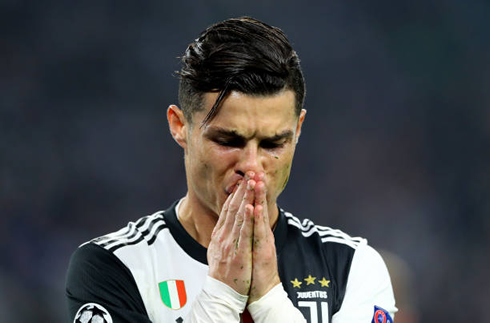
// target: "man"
[[226, 252]]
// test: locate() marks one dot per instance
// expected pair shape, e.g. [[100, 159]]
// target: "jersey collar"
[[196, 250]]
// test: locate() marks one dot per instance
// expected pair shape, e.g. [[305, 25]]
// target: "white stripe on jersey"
[[351, 244], [133, 232], [308, 228], [133, 235]]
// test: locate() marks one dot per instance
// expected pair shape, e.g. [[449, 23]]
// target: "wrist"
[[221, 291], [256, 294]]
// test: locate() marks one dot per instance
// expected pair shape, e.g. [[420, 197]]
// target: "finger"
[[250, 175], [234, 205], [246, 230], [259, 233], [261, 215], [260, 176], [261, 199], [233, 202], [223, 212], [247, 200]]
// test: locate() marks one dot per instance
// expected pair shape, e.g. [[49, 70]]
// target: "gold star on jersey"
[[324, 282], [310, 280], [296, 283]]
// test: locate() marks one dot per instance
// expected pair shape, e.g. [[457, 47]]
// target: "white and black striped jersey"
[[152, 270]]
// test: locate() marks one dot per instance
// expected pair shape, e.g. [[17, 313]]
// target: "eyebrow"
[[218, 131]]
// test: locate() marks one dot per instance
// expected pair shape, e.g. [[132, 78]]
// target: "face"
[[249, 133]]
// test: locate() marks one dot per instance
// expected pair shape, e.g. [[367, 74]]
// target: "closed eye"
[[266, 144], [230, 142], [230, 138]]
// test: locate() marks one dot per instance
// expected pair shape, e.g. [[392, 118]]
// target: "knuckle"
[[232, 209], [220, 238], [225, 247]]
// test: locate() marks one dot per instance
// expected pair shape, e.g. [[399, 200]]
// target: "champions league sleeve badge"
[[92, 313], [381, 315]]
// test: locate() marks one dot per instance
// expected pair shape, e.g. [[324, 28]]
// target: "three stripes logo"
[[173, 293], [145, 229]]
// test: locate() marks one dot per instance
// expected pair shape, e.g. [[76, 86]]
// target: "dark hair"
[[241, 54]]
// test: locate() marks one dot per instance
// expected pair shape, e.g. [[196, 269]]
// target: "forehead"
[[252, 114]]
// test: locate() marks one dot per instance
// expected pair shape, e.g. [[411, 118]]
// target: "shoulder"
[[103, 254], [339, 248], [93, 276], [368, 288], [105, 264], [332, 251], [361, 275], [99, 255], [91, 260]]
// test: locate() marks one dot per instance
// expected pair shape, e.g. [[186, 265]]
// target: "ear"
[[178, 125], [300, 123]]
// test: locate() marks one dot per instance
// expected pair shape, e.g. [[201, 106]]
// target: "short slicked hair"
[[239, 54]]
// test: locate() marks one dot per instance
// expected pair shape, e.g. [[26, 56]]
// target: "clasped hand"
[[242, 253]]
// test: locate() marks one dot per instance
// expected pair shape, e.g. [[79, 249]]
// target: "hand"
[[230, 250], [264, 261]]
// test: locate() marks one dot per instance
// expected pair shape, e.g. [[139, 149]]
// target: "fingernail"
[[249, 185], [249, 175]]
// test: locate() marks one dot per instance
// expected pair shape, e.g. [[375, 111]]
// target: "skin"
[[236, 166]]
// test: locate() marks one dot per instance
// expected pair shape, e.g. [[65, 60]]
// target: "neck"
[[196, 220], [199, 220]]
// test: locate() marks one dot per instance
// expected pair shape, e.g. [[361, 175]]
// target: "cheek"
[[286, 176], [198, 161], [203, 168], [211, 163], [206, 166], [281, 175]]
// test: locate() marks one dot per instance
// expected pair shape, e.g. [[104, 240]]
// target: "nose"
[[249, 159]]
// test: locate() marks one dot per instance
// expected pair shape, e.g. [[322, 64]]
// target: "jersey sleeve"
[[368, 290], [275, 306], [217, 302], [99, 284], [220, 303]]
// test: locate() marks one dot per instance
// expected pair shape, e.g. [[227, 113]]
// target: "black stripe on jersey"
[[123, 233], [124, 244], [140, 238], [132, 235], [155, 234], [114, 235]]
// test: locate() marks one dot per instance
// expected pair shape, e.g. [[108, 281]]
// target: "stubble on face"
[[215, 162]]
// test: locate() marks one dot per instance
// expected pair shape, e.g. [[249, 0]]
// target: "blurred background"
[[395, 146]]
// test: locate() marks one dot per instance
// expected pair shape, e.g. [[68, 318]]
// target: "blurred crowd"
[[395, 146]]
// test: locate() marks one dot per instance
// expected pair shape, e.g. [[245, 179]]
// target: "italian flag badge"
[[173, 293]]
